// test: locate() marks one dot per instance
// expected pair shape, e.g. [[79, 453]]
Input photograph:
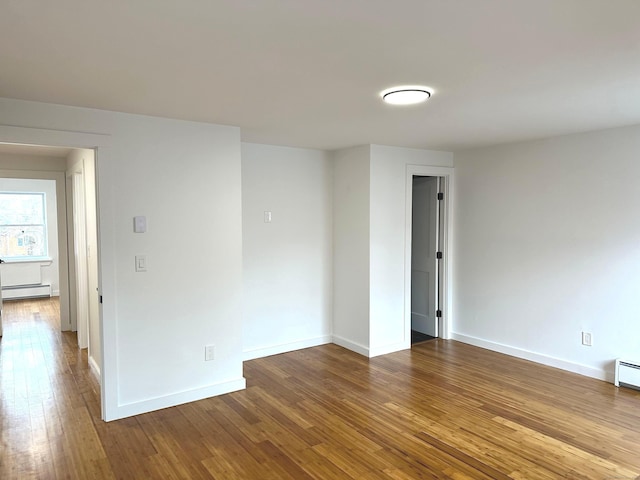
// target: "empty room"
[[320, 239]]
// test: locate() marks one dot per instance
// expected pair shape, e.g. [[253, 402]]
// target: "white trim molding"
[[285, 347], [51, 137], [95, 369], [158, 403], [349, 345], [585, 370], [391, 348]]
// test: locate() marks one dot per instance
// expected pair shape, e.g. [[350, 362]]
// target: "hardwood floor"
[[441, 410]]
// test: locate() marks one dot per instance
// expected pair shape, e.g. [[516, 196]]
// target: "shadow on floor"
[[418, 337]]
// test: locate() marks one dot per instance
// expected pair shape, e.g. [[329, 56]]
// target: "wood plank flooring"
[[440, 410]]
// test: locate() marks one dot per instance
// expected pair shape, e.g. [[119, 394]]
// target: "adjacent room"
[[336, 239]]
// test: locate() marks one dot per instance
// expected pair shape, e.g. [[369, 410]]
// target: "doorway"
[[55, 273], [83, 252], [105, 332], [428, 253], [425, 250]]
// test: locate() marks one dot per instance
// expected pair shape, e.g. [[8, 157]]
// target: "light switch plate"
[[209, 353], [140, 224], [141, 263]]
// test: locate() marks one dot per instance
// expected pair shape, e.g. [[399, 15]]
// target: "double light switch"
[[140, 226]]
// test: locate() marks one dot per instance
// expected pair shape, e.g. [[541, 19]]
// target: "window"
[[23, 229]]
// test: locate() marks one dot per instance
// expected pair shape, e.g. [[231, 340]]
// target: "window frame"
[[44, 225]]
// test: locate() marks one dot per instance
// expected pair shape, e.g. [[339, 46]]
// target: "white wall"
[[351, 248], [185, 177], [48, 269], [287, 264], [370, 233], [548, 246], [389, 234]]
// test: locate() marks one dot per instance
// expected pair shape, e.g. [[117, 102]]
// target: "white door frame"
[[95, 141], [446, 173]]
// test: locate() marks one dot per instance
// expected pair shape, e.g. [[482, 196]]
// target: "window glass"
[[22, 225]]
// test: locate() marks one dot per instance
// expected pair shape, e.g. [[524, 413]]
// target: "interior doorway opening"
[[74, 267], [83, 252], [41, 139], [426, 253]]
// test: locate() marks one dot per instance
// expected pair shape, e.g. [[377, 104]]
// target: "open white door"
[[424, 265], [80, 255]]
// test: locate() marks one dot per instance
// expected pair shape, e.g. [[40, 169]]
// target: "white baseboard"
[[349, 345], [585, 370], [95, 369], [136, 408], [254, 353], [385, 349], [367, 351]]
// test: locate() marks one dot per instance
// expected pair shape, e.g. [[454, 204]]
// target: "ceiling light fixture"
[[406, 94]]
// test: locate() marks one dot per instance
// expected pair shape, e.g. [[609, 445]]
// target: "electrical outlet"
[[586, 339], [209, 353]]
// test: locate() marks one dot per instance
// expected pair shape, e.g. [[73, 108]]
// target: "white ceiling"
[[307, 72]]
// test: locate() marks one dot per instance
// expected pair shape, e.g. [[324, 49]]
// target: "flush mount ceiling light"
[[406, 94]]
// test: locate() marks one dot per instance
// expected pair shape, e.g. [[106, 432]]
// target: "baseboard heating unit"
[[627, 374], [26, 291]]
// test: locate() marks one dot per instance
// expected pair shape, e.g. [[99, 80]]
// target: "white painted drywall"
[[48, 269], [351, 248], [548, 246], [388, 237], [185, 177], [287, 263], [370, 234]]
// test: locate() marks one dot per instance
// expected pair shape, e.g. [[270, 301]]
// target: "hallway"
[[45, 383]]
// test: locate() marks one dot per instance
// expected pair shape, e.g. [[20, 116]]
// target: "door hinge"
[[440, 196], [438, 313], [439, 255]]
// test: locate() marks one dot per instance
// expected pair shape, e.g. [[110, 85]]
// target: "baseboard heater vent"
[[627, 374], [26, 291]]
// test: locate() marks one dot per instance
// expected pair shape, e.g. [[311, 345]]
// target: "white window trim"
[[27, 259]]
